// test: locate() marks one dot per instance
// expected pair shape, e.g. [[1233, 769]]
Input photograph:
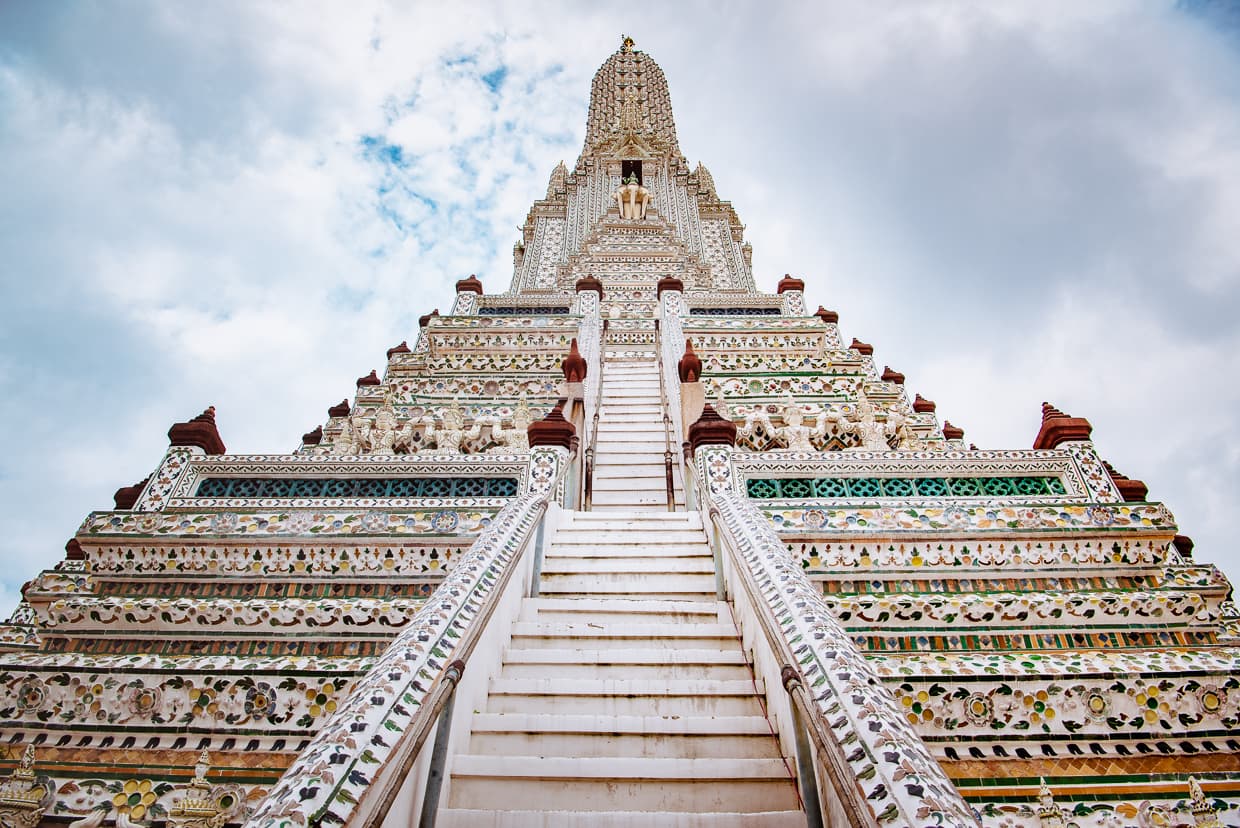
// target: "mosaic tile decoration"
[[795, 488]]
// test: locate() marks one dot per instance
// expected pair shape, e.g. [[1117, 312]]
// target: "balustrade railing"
[[362, 763], [874, 768]]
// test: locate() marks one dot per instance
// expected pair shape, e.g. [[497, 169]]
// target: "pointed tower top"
[[626, 43], [630, 87]]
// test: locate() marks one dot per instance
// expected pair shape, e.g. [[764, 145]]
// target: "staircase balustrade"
[[369, 759], [875, 769], [594, 404], [667, 422]]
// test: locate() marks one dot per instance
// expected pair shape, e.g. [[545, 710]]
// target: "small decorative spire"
[[425, 319], [1130, 490], [469, 285], [828, 316], [922, 405], [865, 348], [126, 496], [892, 376], [1058, 427], [1049, 813], [711, 430], [369, 381], [75, 552], [1184, 545], [951, 432], [1203, 812], [626, 43], [200, 432], [313, 438], [790, 283], [690, 366], [574, 365], [553, 429], [340, 409], [402, 348]]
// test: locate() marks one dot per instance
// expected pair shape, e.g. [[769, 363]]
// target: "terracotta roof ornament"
[[199, 432], [574, 365], [690, 366], [1058, 427]]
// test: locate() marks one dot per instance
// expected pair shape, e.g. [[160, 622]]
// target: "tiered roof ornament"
[[630, 107]]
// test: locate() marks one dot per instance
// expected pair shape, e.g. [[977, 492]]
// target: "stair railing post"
[[588, 494], [669, 482], [439, 752], [538, 556], [807, 778]]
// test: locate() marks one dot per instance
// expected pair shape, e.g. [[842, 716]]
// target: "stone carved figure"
[[449, 432], [794, 433], [873, 433], [513, 440], [24, 796], [631, 199]]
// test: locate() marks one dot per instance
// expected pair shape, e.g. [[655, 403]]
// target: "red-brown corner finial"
[[552, 430], [790, 282], [922, 405], [828, 316], [574, 365], [892, 376], [951, 432], [313, 438], [200, 432], [864, 347], [711, 430], [690, 366], [402, 348], [590, 283], [1129, 489], [1058, 427], [425, 319], [340, 409], [470, 285], [370, 380], [668, 283], [126, 496]]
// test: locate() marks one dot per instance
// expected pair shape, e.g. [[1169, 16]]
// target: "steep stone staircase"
[[629, 470], [624, 696]]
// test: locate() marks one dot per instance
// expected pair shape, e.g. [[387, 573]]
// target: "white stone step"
[[628, 664], [474, 818], [630, 469], [612, 582], [627, 611], [625, 531], [610, 783], [588, 554], [598, 733], [534, 635], [628, 498], [564, 564], [692, 517]]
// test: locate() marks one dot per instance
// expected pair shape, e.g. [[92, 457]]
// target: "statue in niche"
[[631, 199]]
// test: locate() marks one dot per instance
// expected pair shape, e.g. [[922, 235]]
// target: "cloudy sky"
[[245, 204]]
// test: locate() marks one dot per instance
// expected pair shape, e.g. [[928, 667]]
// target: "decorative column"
[[424, 342], [194, 438], [670, 293], [467, 293], [793, 291]]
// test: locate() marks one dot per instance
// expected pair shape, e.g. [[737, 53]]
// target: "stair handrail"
[[671, 347], [587, 498], [667, 420], [830, 683], [353, 768]]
